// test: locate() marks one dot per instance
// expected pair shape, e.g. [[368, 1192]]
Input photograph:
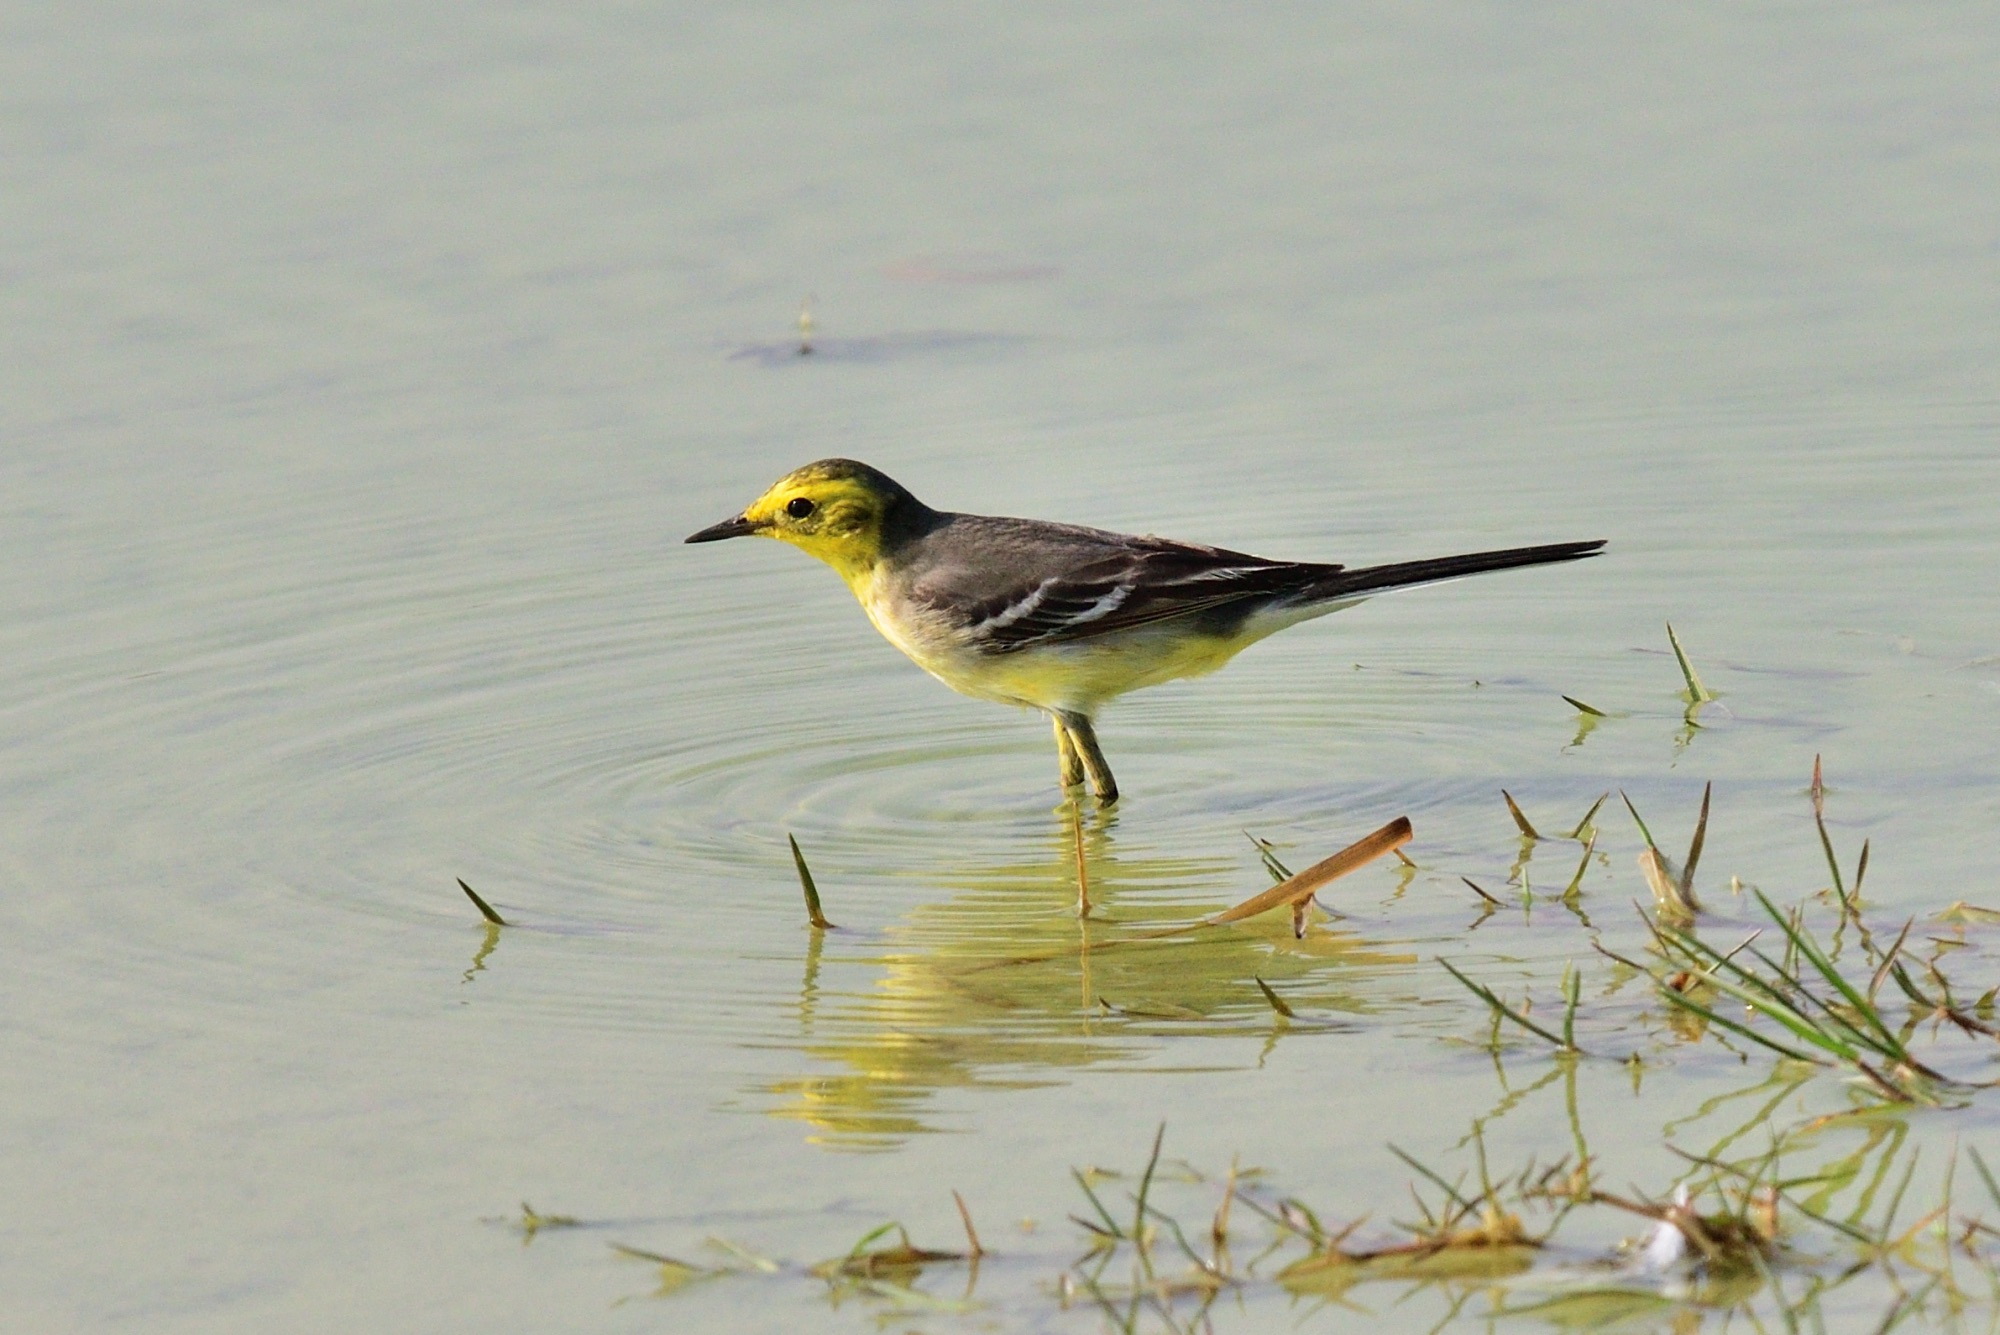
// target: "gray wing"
[[1054, 586]]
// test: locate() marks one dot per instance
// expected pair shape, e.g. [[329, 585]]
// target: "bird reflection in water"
[[1005, 984]]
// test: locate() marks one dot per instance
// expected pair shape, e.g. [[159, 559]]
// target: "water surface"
[[363, 367]]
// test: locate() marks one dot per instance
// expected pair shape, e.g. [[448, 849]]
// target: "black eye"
[[799, 507]]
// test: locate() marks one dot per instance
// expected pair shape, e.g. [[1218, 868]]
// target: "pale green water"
[[362, 368]]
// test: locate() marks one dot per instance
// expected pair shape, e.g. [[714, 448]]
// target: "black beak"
[[739, 527]]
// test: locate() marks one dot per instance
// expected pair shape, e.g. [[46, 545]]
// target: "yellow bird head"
[[836, 509]]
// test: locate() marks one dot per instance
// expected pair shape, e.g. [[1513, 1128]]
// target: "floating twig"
[[1302, 886]]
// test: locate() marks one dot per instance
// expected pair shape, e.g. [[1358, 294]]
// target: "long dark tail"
[[1404, 573]]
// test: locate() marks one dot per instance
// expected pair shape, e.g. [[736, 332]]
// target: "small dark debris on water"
[[867, 348]]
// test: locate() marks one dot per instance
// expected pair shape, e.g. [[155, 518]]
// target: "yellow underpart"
[[1078, 676]]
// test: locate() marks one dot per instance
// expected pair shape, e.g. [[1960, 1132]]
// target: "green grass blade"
[[1639, 821], [1902, 977], [1694, 949], [1985, 1174], [1825, 840], [1110, 1225], [1447, 1188], [1896, 1198], [1584, 824], [1800, 1026], [1744, 1031], [871, 1235], [1520, 817], [1694, 848], [1583, 865], [1502, 1008], [1697, 692], [1266, 850], [485, 909], [1146, 1185], [1824, 966], [1859, 1035], [1277, 1002], [1572, 997], [813, 913]]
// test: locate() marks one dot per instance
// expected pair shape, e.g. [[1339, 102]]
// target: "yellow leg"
[[1072, 767], [1083, 738]]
